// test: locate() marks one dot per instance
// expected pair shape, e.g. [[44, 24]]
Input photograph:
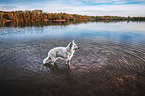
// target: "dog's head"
[[73, 45]]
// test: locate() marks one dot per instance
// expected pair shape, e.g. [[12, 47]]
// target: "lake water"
[[109, 54]]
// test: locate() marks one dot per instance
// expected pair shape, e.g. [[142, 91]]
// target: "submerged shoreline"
[[93, 74]]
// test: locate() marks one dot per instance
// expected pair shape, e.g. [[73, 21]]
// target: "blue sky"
[[82, 7]]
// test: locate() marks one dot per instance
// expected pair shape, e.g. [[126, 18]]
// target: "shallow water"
[[108, 52]]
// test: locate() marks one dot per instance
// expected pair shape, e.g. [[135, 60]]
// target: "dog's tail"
[[46, 60]]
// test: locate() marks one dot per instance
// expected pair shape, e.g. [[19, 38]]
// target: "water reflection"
[[56, 69], [60, 23], [123, 32], [110, 56], [38, 24]]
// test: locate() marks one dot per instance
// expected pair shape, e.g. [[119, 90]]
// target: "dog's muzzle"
[[76, 48]]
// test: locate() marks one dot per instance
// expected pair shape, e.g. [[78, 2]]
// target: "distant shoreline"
[[59, 20], [36, 21], [39, 15]]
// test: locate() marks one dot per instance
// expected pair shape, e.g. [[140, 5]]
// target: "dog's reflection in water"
[[55, 69]]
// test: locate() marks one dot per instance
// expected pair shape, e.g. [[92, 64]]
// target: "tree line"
[[39, 15], [120, 18]]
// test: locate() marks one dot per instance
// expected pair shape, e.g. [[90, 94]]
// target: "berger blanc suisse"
[[63, 52]]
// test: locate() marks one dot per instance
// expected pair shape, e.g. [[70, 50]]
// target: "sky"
[[82, 7]]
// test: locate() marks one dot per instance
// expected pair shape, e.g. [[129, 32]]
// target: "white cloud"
[[78, 7], [7, 7]]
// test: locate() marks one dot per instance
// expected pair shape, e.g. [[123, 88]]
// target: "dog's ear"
[[71, 44]]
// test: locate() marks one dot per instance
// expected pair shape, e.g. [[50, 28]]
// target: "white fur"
[[63, 52]]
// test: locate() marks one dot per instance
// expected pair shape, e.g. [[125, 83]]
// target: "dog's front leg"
[[68, 61], [67, 65]]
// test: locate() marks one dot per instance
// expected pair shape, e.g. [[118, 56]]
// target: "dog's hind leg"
[[46, 60], [53, 59]]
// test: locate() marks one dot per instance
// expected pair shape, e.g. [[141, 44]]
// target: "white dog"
[[63, 52]]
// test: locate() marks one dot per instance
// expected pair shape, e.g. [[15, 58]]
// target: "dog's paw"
[[52, 64]]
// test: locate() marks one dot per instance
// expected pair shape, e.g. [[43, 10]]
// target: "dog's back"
[[58, 52]]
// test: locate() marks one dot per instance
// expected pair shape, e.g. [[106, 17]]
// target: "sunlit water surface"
[[107, 51]]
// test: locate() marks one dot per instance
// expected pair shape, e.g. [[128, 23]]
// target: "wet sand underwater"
[[99, 68]]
